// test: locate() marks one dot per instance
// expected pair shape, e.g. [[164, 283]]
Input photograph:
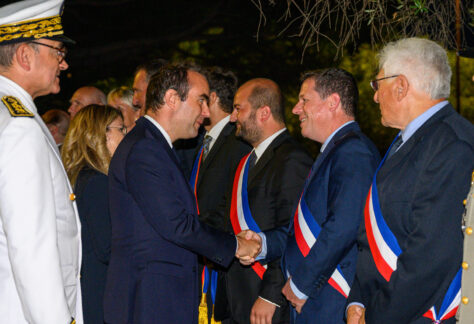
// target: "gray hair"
[[422, 61], [123, 93], [8, 51]]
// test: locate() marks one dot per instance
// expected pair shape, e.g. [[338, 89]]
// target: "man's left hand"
[[290, 295], [262, 312]]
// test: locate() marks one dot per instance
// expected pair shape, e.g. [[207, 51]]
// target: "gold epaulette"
[[15, 107]]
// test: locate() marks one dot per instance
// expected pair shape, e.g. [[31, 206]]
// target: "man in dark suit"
[[152, 275], [265, 190], [320, 250], [214, 167], [409, 265]]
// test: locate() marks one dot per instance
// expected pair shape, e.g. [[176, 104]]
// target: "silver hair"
[[422, 61], [123, 93]]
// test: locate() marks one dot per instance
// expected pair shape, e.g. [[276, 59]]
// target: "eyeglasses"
[[61, 51], [375, 83], [123, 129]]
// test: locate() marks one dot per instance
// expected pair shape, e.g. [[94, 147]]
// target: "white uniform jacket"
[[466, 308], [40, 243]]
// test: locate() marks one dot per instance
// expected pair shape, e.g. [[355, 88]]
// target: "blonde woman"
[[90, 142]]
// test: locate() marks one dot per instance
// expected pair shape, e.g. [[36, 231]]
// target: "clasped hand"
[[249, 246]]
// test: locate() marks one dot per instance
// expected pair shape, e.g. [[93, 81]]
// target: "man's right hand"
[[250, 245], [355, 315]]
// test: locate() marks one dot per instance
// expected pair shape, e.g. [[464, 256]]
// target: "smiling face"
[[46, 68], [192, 111], [313, 112], [245, 117]]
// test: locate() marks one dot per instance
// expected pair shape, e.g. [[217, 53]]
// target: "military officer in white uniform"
[[466, 308], [39, 227]]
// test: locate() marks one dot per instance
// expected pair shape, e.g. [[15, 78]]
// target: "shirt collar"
[[260, 149], [326, 142], [216, 130], [161, 129], [416, 123]]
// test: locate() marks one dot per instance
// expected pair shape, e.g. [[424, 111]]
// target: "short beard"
[[249, 131]]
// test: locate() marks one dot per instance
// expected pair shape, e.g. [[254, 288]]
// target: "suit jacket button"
[[469, 230], [465, 300], [465, 265], [72, 197]]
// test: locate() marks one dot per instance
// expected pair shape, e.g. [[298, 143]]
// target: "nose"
[[233, 116], [376, 97], [297, 108], [135, 99], [63, 65], [205, 110]]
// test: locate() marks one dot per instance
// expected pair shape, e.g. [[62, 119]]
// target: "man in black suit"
[[215, 164], [409, 265], [266, 188]]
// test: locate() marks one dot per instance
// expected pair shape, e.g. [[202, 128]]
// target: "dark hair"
[[151, 67], [168, 77], [268, 94], [334, 80], [57, 117], [224, 84]]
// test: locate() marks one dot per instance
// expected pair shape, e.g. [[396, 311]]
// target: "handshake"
[[249, 246]]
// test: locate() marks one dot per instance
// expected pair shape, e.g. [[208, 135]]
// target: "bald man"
[[85, 96]]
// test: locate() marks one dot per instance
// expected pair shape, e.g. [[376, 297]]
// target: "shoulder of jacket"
[[15, 107]]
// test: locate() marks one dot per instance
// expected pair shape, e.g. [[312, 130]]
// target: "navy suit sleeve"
[[293, 173], [162, 194], [436, 226], [96, 215], [351, 169]]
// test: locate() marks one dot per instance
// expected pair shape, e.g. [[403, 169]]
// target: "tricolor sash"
[[306, 233], [208, 281], [194, 175], [385, 251], [450, 304], [240, 215]]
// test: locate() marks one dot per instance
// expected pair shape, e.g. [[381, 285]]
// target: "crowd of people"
[[184, 199]]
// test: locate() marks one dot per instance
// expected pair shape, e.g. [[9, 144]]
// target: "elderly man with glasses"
[[409, 265], [40, 247]]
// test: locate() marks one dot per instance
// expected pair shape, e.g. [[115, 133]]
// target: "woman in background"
[[90, 142], [121, 98]]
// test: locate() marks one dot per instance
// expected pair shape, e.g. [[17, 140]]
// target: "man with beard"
[[40, 243], [152, 275], [266, 187]]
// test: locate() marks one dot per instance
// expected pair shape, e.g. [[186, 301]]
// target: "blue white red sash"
[[450, 304], [385, 251], [306, 233], [195, 174], [240, 215]]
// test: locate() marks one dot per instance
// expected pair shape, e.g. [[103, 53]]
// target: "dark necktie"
[[206, 143], [252, 159], [398, 142]]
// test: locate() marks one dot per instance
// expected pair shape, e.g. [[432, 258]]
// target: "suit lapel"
[[352, 127], [400, 155], [267, 156], [217, 146]]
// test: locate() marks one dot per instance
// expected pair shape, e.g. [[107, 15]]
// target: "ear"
[[172, 98], [24, 56], [213, 98], [400, 87], [333, 101], [264, 113]]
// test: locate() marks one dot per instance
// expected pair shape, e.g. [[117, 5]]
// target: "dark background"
[[114, 36]]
